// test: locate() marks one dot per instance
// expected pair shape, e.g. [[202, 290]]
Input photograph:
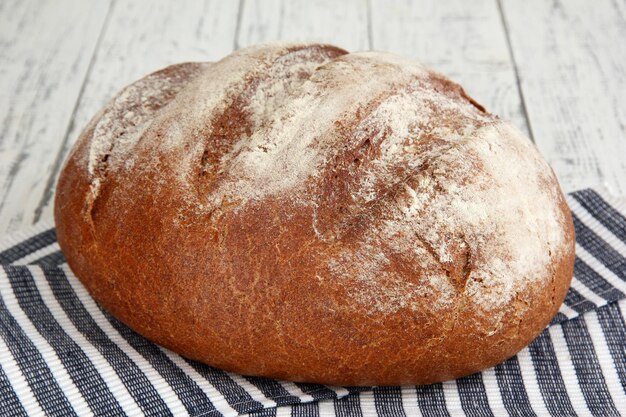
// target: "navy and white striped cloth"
[[61, 355]]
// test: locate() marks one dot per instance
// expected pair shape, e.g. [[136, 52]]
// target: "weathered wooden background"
[[556, 68]]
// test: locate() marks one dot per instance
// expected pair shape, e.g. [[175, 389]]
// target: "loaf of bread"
[[304, 213]]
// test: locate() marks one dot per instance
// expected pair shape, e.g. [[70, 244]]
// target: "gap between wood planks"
[[515, 70]]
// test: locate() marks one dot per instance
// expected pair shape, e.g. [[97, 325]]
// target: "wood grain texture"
[[141, 38], [572, 66], [464, 40], [45, 51], [342, 23]]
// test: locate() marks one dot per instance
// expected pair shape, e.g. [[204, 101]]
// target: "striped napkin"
[[62, 355]]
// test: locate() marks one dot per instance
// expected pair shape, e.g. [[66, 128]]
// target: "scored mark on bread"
[[251, 106], [123, 120]]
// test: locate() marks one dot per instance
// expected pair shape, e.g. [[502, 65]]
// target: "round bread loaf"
[[304, 213]]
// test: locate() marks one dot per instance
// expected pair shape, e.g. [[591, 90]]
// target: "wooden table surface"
[[556, 68]]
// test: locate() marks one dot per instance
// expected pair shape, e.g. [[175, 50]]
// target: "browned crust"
[[247, 289]]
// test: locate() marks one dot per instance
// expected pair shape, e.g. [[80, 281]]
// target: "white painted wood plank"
[[464, 40], [142, 37], [342, 23], [45, 50], [572, 66]]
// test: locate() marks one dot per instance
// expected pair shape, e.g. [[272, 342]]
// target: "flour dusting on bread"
[[502, 220], [450, 190]]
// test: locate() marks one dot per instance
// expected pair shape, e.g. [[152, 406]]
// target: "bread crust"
[[196, 210]]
